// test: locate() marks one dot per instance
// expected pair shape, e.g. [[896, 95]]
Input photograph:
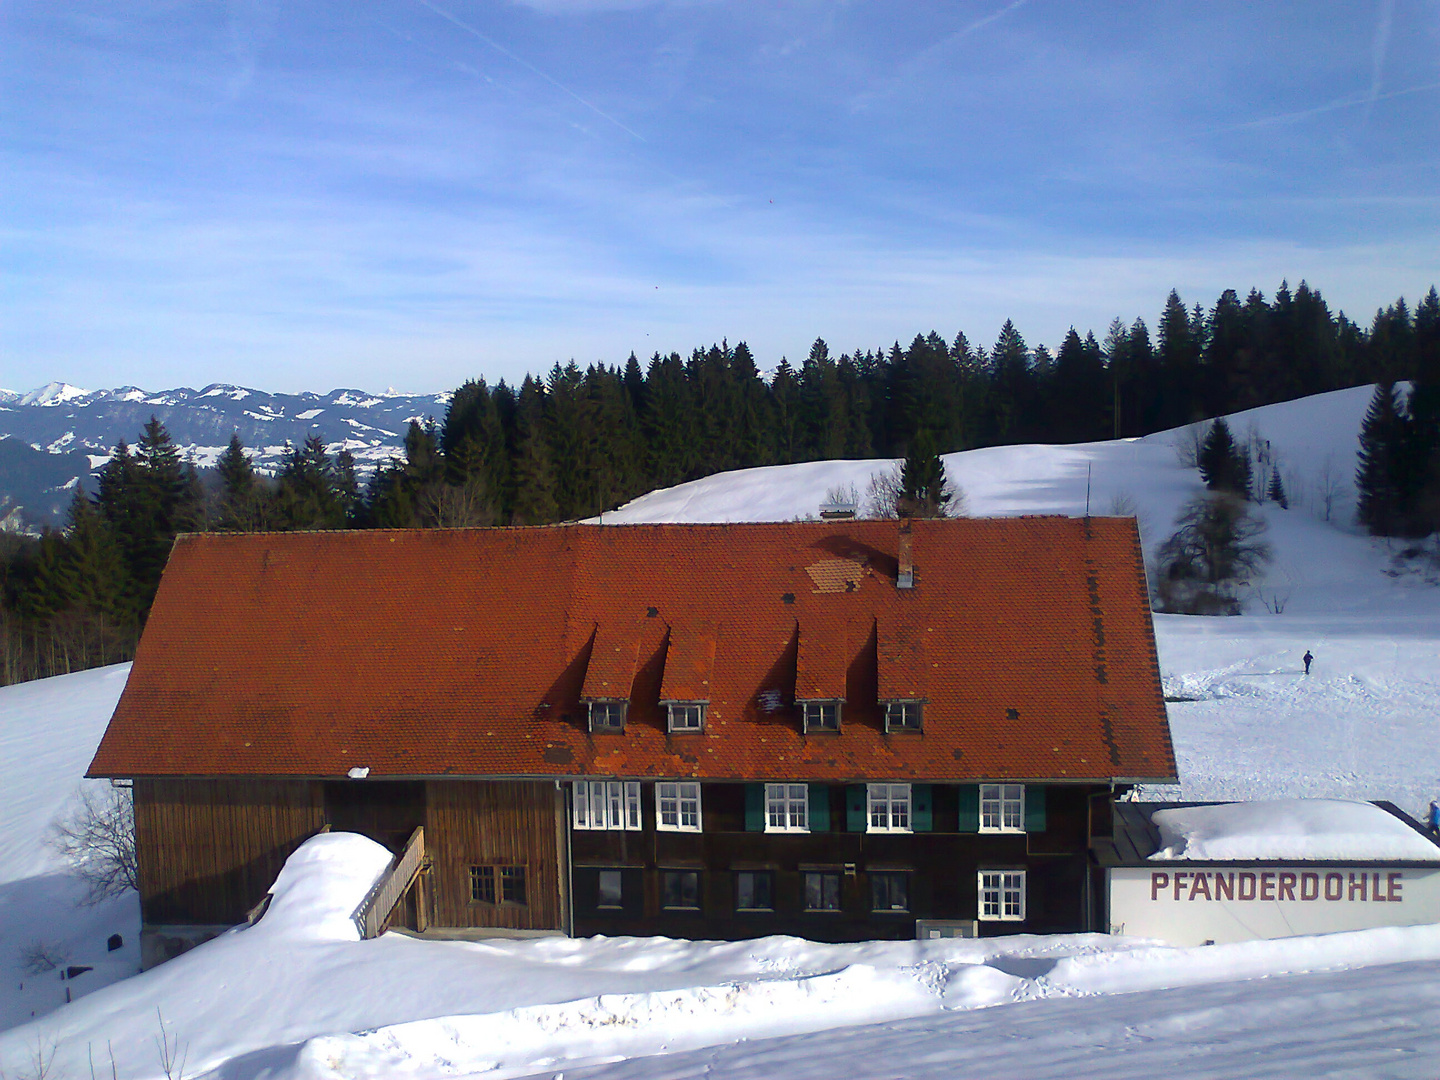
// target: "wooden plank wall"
[[210, 849], [478, 823]]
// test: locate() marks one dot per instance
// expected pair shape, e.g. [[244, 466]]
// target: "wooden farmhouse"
[[839, 729]]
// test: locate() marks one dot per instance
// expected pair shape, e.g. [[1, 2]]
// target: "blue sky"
[[410, 193]]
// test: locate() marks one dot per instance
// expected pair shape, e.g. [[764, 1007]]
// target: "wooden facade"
[[940, 866], [210, 849], [496, 825]]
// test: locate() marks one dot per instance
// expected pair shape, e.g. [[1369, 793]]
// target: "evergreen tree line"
[[579, 442], [1398, 481]]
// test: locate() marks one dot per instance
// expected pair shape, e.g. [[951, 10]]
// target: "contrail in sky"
[[1379, 46], [529, 66], [988, 19], [1343, 103]]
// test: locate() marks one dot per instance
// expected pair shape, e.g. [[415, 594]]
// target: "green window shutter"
[[921, 816], [1034, 808], [819, 808], [856, 808], [754, 807], [969, 807]]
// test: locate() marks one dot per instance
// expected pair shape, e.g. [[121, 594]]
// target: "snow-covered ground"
[[48, 733], [299, 996]]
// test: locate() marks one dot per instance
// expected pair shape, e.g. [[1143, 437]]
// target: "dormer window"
[[608, 715], [686, 715], [821, 715], [902, 716]]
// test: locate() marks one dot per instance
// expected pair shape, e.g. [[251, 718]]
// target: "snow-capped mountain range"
[[55, 437]]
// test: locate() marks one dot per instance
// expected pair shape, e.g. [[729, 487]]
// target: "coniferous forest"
[[580, 441]]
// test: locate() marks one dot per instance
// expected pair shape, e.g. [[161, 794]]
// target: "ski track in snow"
[[297, 997]]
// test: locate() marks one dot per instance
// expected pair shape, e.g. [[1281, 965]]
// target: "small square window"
[[677, 807], [889, 808], [681, 890], [482, 884], [686, 715], [902, 716], [889, 891], [822, 715], [611, 890], [1002, 895], [607, 715], [1002, 808], [512, 884], [787, 808], [822, 891], [753, 890]]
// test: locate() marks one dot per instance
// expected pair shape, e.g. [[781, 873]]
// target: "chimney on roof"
[[840, 504], [906, 578]]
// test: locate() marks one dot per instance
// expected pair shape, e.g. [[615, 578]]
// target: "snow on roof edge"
[[1295, 829]]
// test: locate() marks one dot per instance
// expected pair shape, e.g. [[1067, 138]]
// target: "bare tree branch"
[[96, 836]]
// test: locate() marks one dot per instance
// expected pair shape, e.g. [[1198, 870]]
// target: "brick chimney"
[[906, 577]]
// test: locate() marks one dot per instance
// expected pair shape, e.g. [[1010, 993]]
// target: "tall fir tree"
[[242, 501], [923, 490], [307, 494], [146, 498], [1376, 499], [1224, 466]]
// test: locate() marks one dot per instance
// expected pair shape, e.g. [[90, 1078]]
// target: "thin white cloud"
[[586, 7], [311, 297], [448, 17]]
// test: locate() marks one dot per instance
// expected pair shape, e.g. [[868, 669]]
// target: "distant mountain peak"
[[53, 393]]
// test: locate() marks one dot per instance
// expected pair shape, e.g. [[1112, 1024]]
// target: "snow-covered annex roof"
[[1271, 830]]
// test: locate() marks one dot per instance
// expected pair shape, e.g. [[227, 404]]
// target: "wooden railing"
[[373, 914]]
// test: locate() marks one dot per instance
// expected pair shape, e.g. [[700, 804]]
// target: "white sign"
[[1195, 906]]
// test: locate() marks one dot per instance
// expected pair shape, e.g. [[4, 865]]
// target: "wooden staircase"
[[373, 916]]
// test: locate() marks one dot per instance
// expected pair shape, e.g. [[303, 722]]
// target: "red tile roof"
[[468, 652]]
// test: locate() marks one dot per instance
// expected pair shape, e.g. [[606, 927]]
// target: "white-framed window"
[[677, 806], [686, 715], [902, 716], [1002, 895], [821, 715], [607, 715], [889, 809], [1002, 808], [607, 804], [787, 808]]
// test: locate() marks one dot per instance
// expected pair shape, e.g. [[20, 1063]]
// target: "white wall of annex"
[[1141, 906]]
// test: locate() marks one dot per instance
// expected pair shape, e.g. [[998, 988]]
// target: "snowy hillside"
[[298, 996], [48, 733]]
